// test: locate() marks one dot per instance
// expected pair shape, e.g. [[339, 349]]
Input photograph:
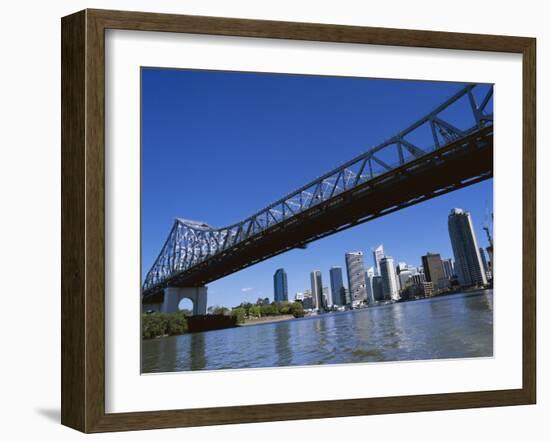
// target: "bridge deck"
[[459, 164]]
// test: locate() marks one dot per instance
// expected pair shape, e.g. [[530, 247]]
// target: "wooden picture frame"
[[83, 220]]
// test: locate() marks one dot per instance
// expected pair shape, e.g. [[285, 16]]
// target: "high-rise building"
[[368, 280], [377, 288], [327, 299], [317, 289], [448, 268], [468, 264], [418, 278], [433, 269], [404, 276], [483, 260], [389, 279], [336, 286], [345, 296], [377, 255], [356, 277], [280, 285], [401, 266]]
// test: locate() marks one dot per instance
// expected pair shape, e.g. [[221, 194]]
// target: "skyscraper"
[[369, 280], [448, 268], [483, 260], [356, 277], [389, 279], [468, 264], [280, 285], [404, 276], [327, 299], [317, 289], [336, 286], [433, 269], [377, 288], [377, 255]]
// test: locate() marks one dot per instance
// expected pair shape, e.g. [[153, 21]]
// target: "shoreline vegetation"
[[158, 325]]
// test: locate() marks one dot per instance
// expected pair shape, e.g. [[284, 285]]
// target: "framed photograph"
[[267, 220]]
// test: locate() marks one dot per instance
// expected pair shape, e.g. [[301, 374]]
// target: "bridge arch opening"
[[187, 306]]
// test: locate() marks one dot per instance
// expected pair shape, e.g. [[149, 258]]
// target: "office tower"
[[377, 255], [389, 280], [377, 288], [280, 285], [344, 294], [401, 266], [356, 277], [317, 289], [468, 264], [448, 268], [418, 278], [404, 276], [483, 260], [336, 286], [327, 299], [433, 269], [368, 280]]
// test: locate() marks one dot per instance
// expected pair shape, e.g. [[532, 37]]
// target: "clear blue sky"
[[218, 146]]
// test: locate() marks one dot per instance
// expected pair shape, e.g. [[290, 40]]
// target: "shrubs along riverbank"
[[154, 325]]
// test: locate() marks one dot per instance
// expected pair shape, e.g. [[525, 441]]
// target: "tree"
[[176, 324], [161, 324], [239, 314], [284, 307], [297, 309], [254, 311], [220, 310]]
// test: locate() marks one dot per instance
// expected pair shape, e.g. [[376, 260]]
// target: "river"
[[453, 326]]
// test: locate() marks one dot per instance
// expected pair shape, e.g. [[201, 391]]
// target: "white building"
[[468, 265], [377, 255], [404, 277], [370, 288], [389, 280]]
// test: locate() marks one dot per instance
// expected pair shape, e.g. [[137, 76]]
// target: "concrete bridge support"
[[173, 296]]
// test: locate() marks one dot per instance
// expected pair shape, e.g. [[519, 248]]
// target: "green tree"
[[254, 311], [284, 307], [297, 309], [267, 310], [239, 313], [220, 310], [176, 323], [161, 324]]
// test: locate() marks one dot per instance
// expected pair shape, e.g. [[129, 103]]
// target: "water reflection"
[[453, 326], [282, 345], [197, 351]]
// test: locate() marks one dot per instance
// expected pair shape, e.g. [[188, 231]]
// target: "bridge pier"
[[173, 296]]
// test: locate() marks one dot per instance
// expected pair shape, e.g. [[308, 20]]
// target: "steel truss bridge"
[[364, 188]]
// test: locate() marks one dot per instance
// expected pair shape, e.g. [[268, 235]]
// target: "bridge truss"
[[191, 244]]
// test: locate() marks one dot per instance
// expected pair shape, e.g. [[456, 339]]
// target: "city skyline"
[[324, 120], [368, 251]]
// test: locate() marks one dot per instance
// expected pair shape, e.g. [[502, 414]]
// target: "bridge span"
[[360, 190]]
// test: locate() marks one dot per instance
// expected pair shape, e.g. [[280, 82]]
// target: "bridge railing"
[[190, 243]]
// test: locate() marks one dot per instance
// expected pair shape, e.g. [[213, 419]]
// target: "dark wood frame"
[[83, 216]]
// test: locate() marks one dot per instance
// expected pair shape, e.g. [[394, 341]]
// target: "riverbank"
[[266, 320]]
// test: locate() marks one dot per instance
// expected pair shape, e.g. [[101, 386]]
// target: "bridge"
[[395, 174]]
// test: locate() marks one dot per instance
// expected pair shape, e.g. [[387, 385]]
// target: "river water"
[[453, 326]]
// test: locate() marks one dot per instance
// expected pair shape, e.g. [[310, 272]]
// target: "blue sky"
[[218, 146]]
